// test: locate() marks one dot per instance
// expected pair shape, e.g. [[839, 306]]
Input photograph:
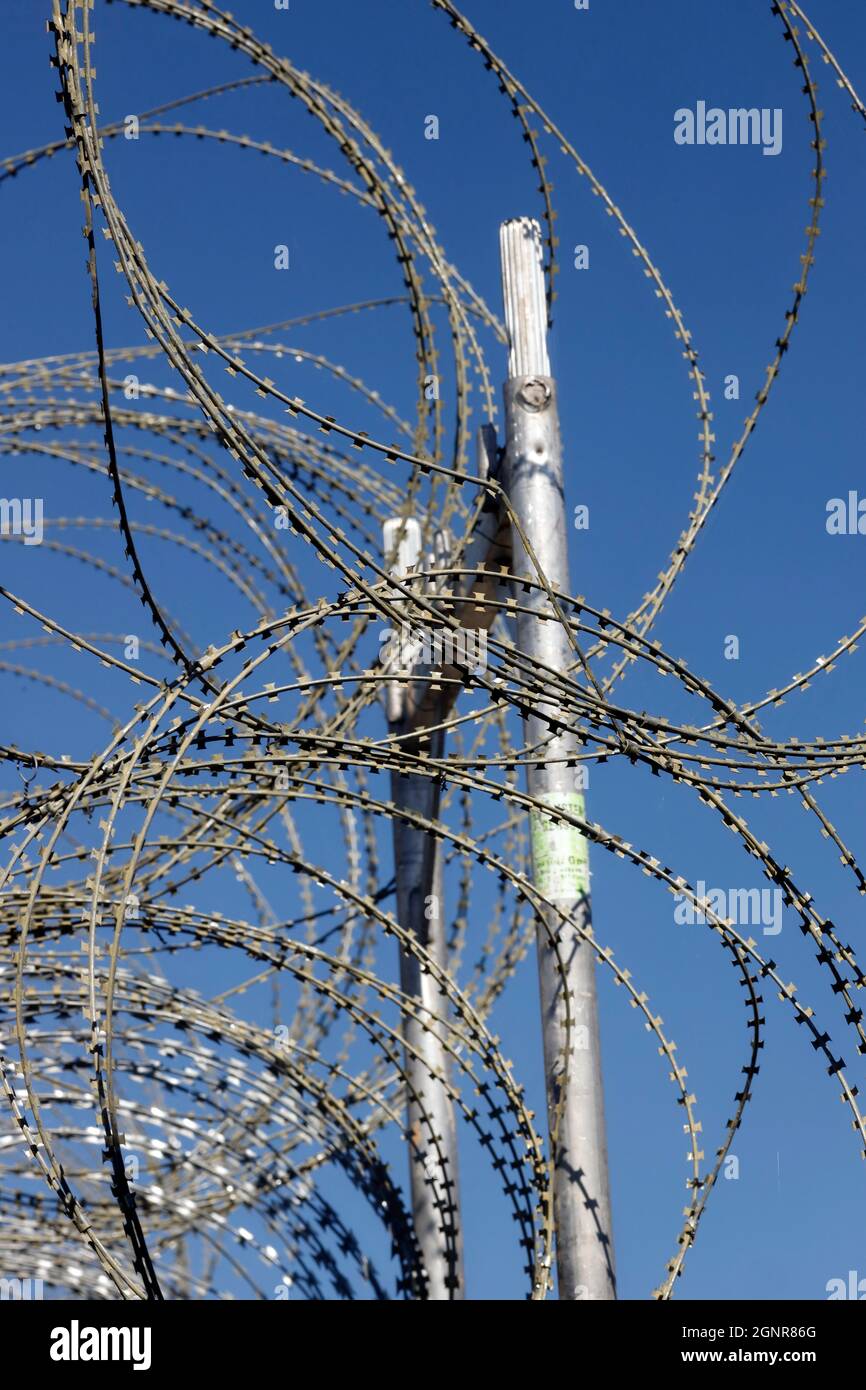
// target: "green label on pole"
[[560, 852]]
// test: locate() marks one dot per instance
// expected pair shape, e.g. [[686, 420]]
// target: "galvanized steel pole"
[[433, 1171], [415, 706], [430, 1119], [533, 480]]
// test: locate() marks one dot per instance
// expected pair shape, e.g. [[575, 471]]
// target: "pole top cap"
[[523, 296]]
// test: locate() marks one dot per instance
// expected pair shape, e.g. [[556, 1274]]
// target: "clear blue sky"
[[726, 227]]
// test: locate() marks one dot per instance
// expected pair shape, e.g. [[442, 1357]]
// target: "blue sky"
[[726, 227]]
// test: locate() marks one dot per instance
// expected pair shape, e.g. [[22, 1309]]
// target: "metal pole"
[[430, 1119], [532, 479], [414, 706], [433, 1172]]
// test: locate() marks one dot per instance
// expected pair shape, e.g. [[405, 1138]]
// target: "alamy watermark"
[[20, 1289], [853, 1288], [405, 647], [22, 516], [738, 125], [77, 1343], [846, 516], [745, 907]]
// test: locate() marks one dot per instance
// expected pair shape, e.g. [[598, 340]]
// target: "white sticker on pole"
[[560, 852]]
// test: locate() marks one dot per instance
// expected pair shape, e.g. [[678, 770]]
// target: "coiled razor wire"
[[236, 750]]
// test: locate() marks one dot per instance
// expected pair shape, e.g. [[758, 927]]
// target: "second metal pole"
[[430, 1112]]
